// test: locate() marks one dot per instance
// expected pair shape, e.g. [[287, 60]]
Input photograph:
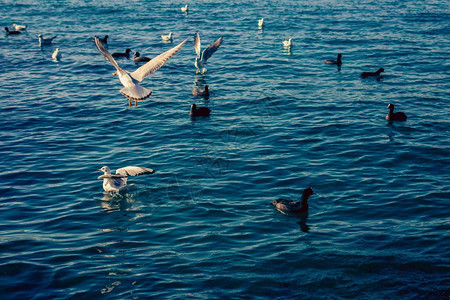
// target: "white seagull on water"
[[202, 57], [130, 81], [287, 43], [117, 182], [19, 27], [56, 55], [167, 37], [261, 23]]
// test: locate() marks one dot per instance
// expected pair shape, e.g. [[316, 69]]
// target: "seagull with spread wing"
[[202, 57], [130, 81], [117, 182]]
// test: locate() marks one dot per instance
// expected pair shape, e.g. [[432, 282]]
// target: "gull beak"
[[115, 73], [99, 170]]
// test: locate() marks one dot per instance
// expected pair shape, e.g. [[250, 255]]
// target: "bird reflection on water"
[[115, 201]]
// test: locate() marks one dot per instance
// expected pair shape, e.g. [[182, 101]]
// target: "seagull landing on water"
[[202, 57], [117, 182], [130, 81]]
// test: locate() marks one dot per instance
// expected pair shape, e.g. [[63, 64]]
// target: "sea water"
[[282, 120]]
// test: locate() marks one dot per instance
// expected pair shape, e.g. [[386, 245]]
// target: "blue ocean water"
[[202, 226]]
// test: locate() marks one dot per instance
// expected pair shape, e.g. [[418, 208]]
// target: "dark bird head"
[[308, 192]]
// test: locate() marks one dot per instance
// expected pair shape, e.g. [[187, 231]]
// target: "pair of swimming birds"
[[118, 182], [130, 80]]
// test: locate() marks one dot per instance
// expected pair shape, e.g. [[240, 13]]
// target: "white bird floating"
[[167, 37], [202, 57], [117, 182], [261, 23], [185, 8], [287, 43], [130, 81], [56, 54], [45, 41], [19, 27]]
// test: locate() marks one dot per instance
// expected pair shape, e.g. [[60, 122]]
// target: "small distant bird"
[[10, 32], [138, 58], [117, 182], [56, 54], [398, 116], [372, 74], [199, 112], [19, 27], [201, 92], [120, 54], [287, 43], [130, 81], [337, 62], [103, 40], [261, 23], [167, 37], [202, 57], [288, 207], [45, 41], [185, 8]]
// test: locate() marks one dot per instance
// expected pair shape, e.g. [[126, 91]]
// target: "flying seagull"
[[130, 81], [202, 57]]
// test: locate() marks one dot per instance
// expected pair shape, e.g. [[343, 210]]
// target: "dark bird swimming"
[[9, 32], [392, 116], [120, 54], [337, 62], [138, 58], [372, 74], [199, 112], [294, 207], [201, 92]]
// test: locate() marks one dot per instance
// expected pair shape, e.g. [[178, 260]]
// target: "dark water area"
[[282, 120]]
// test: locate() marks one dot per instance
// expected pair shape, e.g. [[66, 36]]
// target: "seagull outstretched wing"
[[134, 171], [211, 49], [106, 54]]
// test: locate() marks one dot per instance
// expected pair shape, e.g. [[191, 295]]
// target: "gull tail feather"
[[136, 93]]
